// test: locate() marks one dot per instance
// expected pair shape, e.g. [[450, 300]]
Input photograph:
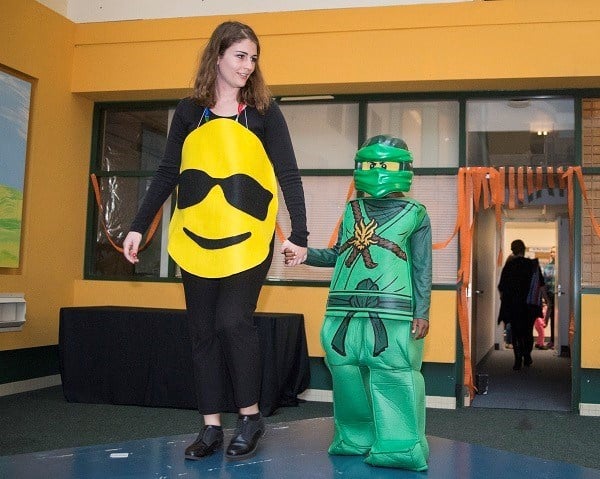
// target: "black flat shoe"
[[245, 439], [208, 441], [527, 361]]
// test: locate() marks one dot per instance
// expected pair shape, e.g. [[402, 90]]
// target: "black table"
[[142, 356]]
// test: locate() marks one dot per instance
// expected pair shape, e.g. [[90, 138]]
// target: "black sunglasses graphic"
[[241, 191]]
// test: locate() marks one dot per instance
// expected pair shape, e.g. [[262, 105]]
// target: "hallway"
[[546, 385]]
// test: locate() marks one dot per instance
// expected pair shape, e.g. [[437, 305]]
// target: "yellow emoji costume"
[[227, 201]]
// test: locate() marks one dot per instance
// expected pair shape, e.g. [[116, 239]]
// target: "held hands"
[[420, 328], [293, 254], [131, 246]]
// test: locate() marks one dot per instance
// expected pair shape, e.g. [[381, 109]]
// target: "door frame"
[[571, 256]]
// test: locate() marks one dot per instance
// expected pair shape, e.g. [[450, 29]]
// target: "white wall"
[[485, 256], [537, 234]]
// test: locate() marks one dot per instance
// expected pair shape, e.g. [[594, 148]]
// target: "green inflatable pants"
[[378, 400]]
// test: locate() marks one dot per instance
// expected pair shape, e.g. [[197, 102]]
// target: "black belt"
[[365, 300]]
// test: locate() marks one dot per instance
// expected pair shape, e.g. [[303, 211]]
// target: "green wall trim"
[[440, 378], [320, 377], [590, 386], [29, 363]]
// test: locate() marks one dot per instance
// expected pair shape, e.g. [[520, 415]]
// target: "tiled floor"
[[288, 451]]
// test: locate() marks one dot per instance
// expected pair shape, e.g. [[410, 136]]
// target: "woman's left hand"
[[293, 254]]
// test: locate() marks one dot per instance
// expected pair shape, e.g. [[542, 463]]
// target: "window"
[[429, 128], [325, 138], [130, 144], [521, 132], [325, 134]]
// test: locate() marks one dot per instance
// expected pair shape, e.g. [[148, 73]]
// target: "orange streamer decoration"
[[530, 188], [334, 234], [511, 188], [520, 188], [539, 178], [151, 230], [550, 177], [279, 232]]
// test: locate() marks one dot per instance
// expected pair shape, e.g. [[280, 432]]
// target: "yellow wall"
[[508, 44], [590, 331], [470, 45], [39, 43]]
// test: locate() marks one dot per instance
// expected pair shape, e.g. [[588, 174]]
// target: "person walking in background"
[[504, 318], [228, 146], [550, 280], [514, 285]]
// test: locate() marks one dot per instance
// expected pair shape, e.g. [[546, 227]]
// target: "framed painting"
[[15, 99]]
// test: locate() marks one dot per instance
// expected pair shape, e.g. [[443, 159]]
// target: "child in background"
[[540, 326]]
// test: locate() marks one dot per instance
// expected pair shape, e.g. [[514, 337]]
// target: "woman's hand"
[[293, 254], [131, 246]]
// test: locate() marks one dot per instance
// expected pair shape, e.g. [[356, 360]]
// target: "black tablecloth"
[[142, 356]]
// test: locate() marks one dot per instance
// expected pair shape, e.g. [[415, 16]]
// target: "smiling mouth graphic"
[[217, 243]]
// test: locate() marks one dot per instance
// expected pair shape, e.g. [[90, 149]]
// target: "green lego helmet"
[[383, 166]]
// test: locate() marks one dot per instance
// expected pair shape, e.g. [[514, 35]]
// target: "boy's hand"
[[420, 328]]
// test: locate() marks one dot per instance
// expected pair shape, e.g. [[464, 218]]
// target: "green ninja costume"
[[381, 282]]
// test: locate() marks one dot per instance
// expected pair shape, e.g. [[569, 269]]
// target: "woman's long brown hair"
[[255, 93]]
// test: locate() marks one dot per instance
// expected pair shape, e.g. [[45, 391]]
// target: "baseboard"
[[440, 402], [29, 385], [432, 402], [317, 395], [588, 409]]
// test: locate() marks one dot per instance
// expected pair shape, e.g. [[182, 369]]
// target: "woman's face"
[[237, 64]]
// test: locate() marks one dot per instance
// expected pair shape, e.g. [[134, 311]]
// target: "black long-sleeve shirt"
[[273, 133]]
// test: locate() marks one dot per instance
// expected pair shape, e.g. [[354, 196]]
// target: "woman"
[[228, 146]]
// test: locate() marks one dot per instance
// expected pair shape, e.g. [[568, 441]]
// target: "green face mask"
[[379, 182]]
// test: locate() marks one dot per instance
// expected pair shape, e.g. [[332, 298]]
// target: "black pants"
[[522, 335], [225, 350]]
